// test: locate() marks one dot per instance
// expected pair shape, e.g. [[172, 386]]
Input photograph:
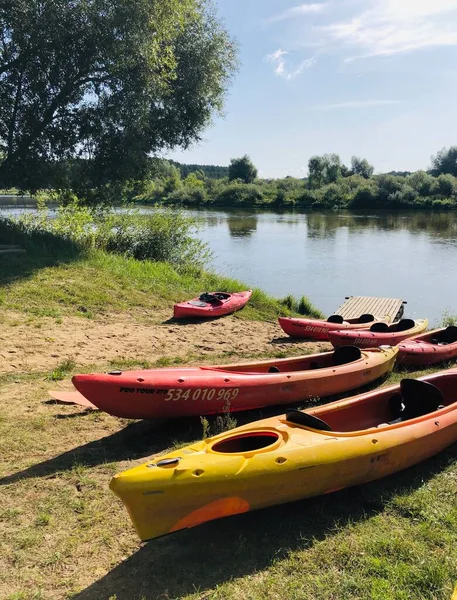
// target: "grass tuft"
[[62, 370]]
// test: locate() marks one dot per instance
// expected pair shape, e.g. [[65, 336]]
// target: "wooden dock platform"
[[385, 308]]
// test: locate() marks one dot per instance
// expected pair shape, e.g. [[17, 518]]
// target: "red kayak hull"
[[426, 349], [316, 329], [187, 391], [197, 308], [374, 339]]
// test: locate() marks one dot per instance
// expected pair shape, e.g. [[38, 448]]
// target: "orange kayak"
[[317, 329], [293, 456], [211, 305], [379, 334], [188, 391], [429, 348]]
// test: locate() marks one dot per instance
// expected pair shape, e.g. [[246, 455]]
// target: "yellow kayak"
[[293, 456]]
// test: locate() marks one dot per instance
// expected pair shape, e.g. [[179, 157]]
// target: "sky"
[[371, 78]]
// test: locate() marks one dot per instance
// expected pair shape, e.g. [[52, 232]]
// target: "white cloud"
[[389, 27], [355, 104], [279, 64], [302, 9], [276, 58]]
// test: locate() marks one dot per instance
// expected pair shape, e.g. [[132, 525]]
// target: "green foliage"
[[243, 169], [219, 424], [90, 88], [447, 186], [305, 307], [323, 169], [289, 301], [212, 171], [445, 162], [360, 166], [302, 306], [62, 370], [165, 235], [237, 193], [448, 319]]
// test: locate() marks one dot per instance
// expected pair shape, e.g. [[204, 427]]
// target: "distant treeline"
[[329, 185], [212, 171]]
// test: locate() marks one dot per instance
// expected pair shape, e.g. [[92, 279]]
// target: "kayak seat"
[[209, 298], [273, 369], [448, 336], [379, 327], [346, 354], [403, 325], [396, 409], [366, 318], [306, 420], [419, 398], [335, 319]]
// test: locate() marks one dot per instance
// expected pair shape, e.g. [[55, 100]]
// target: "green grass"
[[95, 283], [65, 535], [62, 370]]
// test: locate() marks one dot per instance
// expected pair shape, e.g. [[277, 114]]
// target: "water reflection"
[[241, 225], [439, 225]]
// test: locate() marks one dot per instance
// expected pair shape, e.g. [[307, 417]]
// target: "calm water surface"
[[329, 255]]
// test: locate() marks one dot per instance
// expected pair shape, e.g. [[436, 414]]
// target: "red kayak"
[[379, 334], [429, 348], [213, 304], [187, 391], [316, 329]]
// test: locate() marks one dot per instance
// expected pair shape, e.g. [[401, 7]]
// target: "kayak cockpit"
[[402, 325], [340, 356], [414, 399], [247, 442], [362, 320], [445, 336]]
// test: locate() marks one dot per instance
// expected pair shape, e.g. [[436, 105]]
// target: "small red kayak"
[[191, 391], [317, 329], [429, 348], [210, 305], [379, 334]]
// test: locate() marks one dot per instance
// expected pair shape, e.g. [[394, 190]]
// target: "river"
[[329, 255]]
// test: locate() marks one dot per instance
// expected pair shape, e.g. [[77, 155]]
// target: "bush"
[[187, 196], [166, 235], [365, 197], [237, 193], [303, 306]]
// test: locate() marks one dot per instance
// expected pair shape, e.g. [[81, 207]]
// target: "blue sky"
[[371, 78]]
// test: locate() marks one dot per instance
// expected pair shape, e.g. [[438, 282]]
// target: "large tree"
[[324, 169], [360, 166], [445, 162], [242, 168], [106, 82]]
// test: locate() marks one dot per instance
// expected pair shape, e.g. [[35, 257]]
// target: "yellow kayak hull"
[[274, 461]]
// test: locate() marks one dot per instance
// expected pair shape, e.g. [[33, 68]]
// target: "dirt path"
[[41, 346]]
